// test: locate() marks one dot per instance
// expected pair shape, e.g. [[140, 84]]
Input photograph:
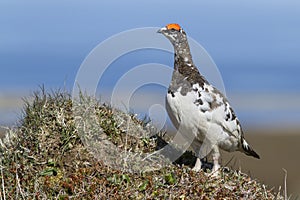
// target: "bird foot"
[[197, 166], [196, 169], [215, 171]]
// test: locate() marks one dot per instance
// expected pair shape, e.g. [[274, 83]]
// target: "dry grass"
[[45, 158]]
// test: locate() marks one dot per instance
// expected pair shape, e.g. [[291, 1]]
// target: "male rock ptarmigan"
[[199, 111]]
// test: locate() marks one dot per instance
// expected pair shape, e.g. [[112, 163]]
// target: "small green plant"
[[170, 178], [118, 179], [143, 186]]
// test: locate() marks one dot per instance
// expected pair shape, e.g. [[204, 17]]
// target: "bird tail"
[[248, 150]]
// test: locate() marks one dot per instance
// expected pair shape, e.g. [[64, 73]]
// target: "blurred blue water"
[[255, 44]]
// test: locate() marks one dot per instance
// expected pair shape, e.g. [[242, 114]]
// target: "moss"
[[45, 158]]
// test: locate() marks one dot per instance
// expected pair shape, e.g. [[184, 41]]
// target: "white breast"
[[195, 123], [186, 115]]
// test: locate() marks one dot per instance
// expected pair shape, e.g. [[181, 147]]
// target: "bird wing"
[[217, 109]]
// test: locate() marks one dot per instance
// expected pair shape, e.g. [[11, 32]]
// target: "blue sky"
[[255, 44]]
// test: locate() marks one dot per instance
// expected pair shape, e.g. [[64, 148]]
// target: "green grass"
[[45, 158]]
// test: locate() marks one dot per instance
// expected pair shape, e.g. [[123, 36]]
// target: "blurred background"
[[255, 45]]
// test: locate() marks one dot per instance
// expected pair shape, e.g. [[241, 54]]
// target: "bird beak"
[[162, 30]]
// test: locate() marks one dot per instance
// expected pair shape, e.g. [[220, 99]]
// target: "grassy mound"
[[45, 158]]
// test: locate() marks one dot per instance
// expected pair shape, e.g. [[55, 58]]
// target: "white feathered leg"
[[196, 147], [215, 156], [197, 166]]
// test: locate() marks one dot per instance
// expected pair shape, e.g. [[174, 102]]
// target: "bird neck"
[[182, 54], [185, 72]]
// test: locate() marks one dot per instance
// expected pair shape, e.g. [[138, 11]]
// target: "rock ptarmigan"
[[199, 110]]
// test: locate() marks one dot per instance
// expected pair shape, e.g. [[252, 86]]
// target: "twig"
[[3, 187], [4, 127], [18, 183], [285, 180], [265, 191], [229, 161]]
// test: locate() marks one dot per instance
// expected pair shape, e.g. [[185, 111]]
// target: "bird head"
[[174, 33]]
